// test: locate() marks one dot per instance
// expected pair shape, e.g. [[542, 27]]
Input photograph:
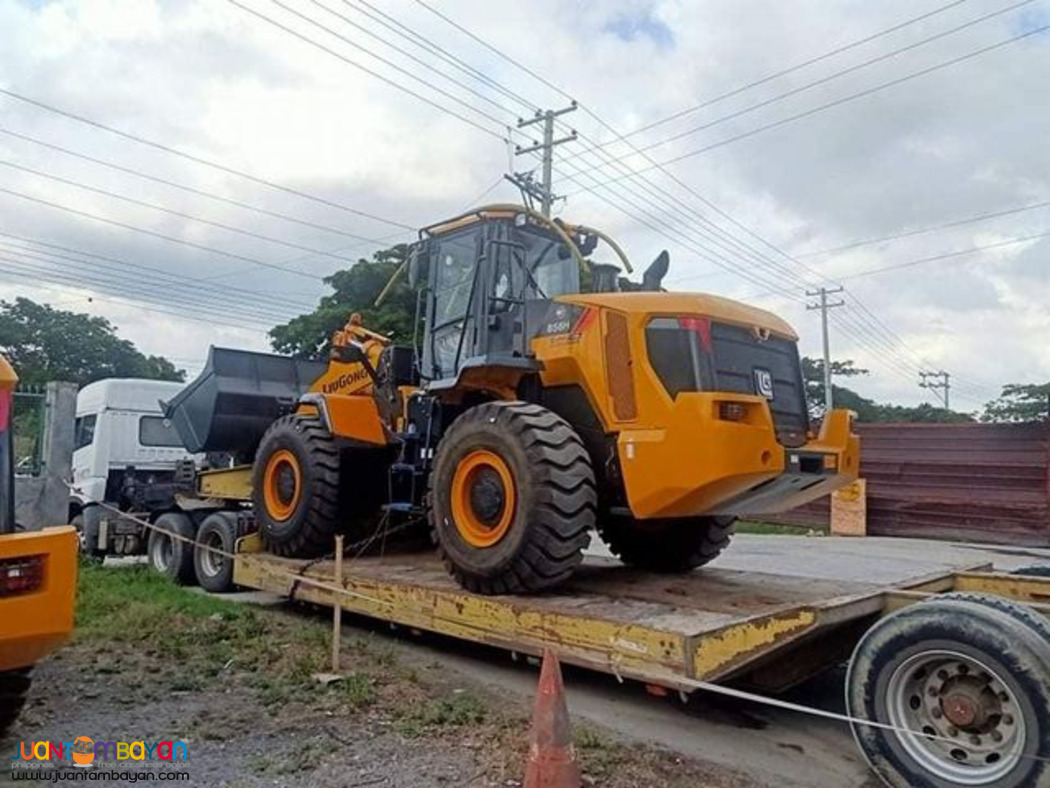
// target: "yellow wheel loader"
[[38, 578], [528, 411]]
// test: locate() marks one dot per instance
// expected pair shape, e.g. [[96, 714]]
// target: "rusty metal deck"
[[765, 593]]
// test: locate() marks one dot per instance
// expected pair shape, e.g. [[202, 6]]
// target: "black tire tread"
[[225, 523], [322, 520], [666, 545], [565, 495], [14, 689], [182, 552]]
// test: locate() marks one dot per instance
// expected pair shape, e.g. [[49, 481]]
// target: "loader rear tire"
[[512, 499], [14, 688], [666, 544], [295, 488]]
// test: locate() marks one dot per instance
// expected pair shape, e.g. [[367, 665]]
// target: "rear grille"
[[740, 359]]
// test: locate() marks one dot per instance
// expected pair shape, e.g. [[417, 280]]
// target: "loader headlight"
[[732, 411]]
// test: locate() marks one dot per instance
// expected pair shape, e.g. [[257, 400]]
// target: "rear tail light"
[[732, 411], [701, 326], [21, 575]]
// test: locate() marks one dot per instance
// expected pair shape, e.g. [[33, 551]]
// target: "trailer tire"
[[512, 499], [170, 556], [974, 674], [14, 688], [666, 544], [214, 571], [295, 488]]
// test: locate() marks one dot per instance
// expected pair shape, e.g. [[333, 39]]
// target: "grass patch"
[[753, 527], [453, 711]]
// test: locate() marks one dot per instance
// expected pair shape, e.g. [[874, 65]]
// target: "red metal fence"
[[964, 482]]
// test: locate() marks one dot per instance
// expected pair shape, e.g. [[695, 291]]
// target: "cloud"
[[219, 83]]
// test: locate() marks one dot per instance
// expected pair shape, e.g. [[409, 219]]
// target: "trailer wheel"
[[170, 556], [295, 488], [512, 498], [666, 544], [14, 688], [217, 535], [966, 684]]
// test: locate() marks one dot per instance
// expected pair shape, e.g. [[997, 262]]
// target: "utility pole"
[[824, 305], [938, 382], [542, 190]]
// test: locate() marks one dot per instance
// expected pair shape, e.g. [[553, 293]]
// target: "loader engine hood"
[[699, 342]]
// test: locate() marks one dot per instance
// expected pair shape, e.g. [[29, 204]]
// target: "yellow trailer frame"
[[710, 625]]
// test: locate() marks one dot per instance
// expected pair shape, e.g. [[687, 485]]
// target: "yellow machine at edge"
[[38, 577]]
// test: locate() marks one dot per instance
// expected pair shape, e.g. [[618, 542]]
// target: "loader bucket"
[[237, 396]]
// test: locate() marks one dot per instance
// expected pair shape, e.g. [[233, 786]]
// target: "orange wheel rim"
[[483, 498], [282, 484]]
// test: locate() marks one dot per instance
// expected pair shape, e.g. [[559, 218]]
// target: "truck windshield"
[[84, 431], [158, 431]]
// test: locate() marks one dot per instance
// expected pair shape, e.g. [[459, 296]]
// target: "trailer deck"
[[765, 596]]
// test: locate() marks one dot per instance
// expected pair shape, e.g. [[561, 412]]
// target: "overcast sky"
[[797, 127]]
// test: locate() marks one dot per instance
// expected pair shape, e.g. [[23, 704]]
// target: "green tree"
[[47, 344], [1020, 402], [867, 410], [355, 290]]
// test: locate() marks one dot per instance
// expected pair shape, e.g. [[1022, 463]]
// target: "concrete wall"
[[44, 499]]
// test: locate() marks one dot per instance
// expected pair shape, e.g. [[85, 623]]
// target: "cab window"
[[84, 431], [158, 431]]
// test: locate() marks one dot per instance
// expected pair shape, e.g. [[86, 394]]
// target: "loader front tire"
[[666, 545], [295, 488], [512, 499]]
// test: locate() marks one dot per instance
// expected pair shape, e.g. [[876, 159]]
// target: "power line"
[[945, 256], [784, 72], [42, 277], [399, 50], [188, 189], [153, 233], [172, 212], [369, 71], [923, 230], [113, 262], [392, 24], [198, 302], [199, 160], [831, 77], [840, 101]]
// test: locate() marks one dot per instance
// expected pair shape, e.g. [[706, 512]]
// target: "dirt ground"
[[151, 661]]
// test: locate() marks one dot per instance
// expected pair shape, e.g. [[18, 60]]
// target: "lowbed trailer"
[[962, 675]]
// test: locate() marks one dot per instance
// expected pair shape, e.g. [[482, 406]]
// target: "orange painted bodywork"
[[34, 624], [347, 388], [677, 457]]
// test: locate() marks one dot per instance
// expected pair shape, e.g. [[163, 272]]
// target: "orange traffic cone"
[[552, 756]]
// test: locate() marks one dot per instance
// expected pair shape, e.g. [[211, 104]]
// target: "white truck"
[[128, 456]]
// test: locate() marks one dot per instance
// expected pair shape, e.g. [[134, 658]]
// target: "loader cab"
[[489, 281]]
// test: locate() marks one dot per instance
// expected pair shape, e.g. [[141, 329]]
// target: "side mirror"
[[416, 264]]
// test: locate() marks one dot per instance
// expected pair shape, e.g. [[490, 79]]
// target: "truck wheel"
[[295, 488], [87, 524], [14, 687], [512, 498], [217, 535], [169, 556], [668, 544], [966, 685]]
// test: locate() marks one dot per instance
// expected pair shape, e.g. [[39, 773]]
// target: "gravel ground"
[[237, 684]]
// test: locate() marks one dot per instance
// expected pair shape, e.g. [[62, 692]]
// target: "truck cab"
[[125, 455]]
